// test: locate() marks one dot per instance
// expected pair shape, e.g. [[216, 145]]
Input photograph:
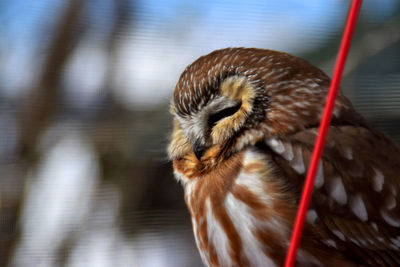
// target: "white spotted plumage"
[[337, 190], [378, 180], [358, 207], [389, 218]]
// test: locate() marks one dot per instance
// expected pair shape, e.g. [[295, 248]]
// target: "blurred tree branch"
[[369, 45], [36, 113], [43, 101]]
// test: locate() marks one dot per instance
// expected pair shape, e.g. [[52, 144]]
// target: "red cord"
[[319, 144]]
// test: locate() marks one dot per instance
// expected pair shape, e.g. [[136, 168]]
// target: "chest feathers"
[[240, 214]]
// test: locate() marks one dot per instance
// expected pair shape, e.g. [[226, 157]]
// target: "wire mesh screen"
[[84, 101]]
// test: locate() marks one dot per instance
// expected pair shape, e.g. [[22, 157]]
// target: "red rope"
[[319, 144]]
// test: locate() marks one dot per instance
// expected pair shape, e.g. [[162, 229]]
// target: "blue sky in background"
[[22, 17], [168, 9], [167, 35]]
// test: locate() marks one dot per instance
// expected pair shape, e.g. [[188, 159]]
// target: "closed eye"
[[214, 118]]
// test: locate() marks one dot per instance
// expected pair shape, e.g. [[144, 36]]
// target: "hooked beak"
[[198, 149]]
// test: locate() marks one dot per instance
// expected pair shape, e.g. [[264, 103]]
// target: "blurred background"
[[84, 122]]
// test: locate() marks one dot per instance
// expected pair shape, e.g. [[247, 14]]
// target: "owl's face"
[[224, 114], [235, 97]]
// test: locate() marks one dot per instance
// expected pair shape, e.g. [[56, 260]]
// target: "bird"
[[245, 121]]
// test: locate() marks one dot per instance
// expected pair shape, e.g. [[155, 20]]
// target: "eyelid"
[[226, 112]]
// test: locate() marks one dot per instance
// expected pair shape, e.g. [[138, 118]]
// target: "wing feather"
[[357, 192]]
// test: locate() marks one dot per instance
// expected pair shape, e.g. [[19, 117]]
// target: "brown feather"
[[355, 154]]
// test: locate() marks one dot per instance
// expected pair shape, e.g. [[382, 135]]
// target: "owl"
[[245, 123]]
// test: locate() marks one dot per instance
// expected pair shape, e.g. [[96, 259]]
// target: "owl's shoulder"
[[355, 205]]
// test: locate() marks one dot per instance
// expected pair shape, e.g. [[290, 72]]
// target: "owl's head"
[[236, 97]]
